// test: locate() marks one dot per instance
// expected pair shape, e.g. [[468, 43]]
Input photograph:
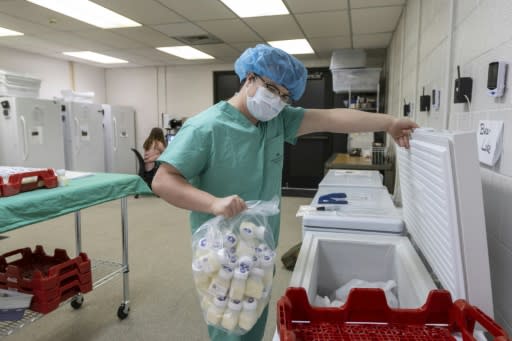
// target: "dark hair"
[[157, 134]]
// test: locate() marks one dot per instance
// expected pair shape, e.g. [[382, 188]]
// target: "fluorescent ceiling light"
[[256, 8], [87, 11], [294, 46], [7, 33], [95, 57], [185, 52]]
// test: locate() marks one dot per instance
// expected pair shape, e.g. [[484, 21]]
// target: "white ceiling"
[[326, 24]]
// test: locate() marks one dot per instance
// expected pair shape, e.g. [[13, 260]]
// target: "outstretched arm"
[[354, 121], [170, 185]]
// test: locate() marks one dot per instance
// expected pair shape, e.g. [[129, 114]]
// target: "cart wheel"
[[123, 311], [77, 301]]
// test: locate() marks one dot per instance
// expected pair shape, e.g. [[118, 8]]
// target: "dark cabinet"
[[304, 162]]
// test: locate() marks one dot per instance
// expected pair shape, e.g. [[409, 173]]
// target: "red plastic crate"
[[45, 178], [366, 317], [51, 279]]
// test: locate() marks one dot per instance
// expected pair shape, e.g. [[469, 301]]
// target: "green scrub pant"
[[255, 334]]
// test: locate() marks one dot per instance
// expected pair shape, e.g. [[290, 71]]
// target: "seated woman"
[[153, 146]]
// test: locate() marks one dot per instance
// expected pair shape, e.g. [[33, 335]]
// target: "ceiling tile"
[[333, 24], [375, 20], [147, 12], [245, 45], [209, 9], [180, 29], [323, 22], [372, 40], [70, 41], [147, 36], [218, 50], [131, 57], [306, 6], [277, 27], [109, 38], [40, 15], [152, 53], [324, 46], [374, 3], [32, 44], [20, 25], [230, 31]]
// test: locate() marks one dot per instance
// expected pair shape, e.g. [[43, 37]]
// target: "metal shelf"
[[102, 272]]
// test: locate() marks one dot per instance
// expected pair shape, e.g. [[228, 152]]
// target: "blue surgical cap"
[[275, 64]]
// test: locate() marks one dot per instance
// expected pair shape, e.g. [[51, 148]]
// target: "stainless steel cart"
[[43, 204]]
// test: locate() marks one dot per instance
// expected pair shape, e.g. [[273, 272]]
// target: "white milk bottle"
[[254, 285], [248, 316], [238, 284], [230, 240], [210, 262], [262, 303], [202, 248], [267, 264], [201, 278], [247, 231], [230, 317], [216, 310], [221, 282]]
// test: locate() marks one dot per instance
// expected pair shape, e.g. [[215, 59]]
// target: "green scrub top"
[[221, 152]]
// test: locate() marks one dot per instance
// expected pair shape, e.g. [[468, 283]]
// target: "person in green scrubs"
[[233, 151]]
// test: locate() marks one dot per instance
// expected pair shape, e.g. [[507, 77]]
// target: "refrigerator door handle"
[[116, 141], [25, 140], [77, 134]]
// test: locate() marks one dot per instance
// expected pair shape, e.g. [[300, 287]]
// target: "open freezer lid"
[[369, 209], [443, 211]]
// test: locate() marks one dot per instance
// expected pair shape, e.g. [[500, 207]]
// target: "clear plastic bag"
[[341, 293], [233, 266]]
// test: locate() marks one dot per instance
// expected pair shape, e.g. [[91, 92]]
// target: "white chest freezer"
[[443, 212], [83, 135], [367, 209], [31, 133], [352, 178]]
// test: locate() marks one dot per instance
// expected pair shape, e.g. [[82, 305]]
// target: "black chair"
[[147, 176]]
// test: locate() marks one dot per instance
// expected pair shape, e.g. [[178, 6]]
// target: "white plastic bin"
[[363, 79], [12, 84], [352, 178]]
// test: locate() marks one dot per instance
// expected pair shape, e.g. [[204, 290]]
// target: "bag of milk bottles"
[[233, 266]]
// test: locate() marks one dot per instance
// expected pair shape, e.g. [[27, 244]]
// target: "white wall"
[[136, 87], [432, 38], [55, 74], [179, 91]]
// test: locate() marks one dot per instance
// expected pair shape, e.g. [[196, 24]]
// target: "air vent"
[[202, 39]]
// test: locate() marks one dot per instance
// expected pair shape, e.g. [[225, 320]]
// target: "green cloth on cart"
[[42, 204]]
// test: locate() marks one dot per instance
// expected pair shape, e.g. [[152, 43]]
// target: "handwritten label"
[[490, 141]]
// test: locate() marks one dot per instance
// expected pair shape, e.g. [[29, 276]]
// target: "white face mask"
[[264, 105]]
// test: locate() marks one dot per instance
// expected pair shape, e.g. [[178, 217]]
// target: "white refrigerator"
[[83, 135], [443, 213], [31, 133], [119, 126]]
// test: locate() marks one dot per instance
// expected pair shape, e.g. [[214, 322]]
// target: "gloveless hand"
[[400, 129], [228, 206]]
